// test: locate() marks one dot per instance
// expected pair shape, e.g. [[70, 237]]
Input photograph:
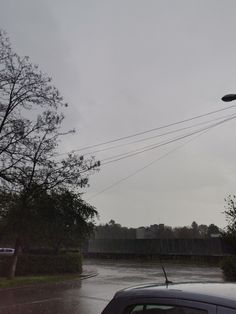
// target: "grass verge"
[[32, 280]]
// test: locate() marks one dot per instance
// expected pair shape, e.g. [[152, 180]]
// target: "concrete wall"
[[187, 247]]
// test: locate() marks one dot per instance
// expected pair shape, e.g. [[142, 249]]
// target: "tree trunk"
[[12, 270], [57, 247]]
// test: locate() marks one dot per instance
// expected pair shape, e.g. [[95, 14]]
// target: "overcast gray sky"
[[127, 66]]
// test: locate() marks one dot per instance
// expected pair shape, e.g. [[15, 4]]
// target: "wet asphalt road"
[[90, 296]]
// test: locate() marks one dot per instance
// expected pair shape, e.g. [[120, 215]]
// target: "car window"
[[162, 308], [225, 310]]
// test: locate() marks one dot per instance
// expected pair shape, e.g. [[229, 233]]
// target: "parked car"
[[6, 251], [188, 298]]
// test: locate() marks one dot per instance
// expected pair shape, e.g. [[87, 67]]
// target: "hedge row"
[[229, 268], [42, 264]]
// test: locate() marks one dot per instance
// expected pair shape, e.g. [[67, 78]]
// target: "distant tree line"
[[114, 230]]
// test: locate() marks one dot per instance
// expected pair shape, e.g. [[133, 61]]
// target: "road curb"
[[88, 275], [82, 276]]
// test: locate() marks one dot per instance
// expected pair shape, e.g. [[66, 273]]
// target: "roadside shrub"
[[43, 264], [229, 268]]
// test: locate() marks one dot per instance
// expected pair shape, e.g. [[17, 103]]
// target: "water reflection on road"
[[91, 295]]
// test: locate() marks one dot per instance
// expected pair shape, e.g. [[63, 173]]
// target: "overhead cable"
[[151, 147], [153, 129], [148, 131], [156, 136], [144, 167]]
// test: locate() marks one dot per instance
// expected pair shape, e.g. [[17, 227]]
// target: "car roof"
[[223, 294]]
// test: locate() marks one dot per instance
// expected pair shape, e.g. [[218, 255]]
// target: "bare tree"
[[30, 131], [22, 88]]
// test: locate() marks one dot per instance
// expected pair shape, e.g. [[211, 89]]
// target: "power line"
[[150, 130], [150, 164], [146, 166], [156, 136], [154, 146]]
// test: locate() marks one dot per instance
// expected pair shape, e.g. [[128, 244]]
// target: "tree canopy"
[[30, 129], [230, 213], [31, 116], [55, 220]]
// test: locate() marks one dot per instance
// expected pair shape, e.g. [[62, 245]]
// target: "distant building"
[[140, 233], [152, 232], [215, 235], [161, 227]]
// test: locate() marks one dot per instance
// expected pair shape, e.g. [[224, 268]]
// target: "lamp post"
[[229, 97]]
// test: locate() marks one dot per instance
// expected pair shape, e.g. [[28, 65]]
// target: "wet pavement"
[[90, 296]]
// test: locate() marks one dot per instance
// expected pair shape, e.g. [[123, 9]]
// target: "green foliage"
[[229, 268], [213, 229], [66, 219], [31, 116], [230, 213], [56, 219], [229, 264], [230, 242], [229, 233], [43, 264]]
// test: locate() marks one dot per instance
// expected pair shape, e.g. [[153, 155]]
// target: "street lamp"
[[229, 97]]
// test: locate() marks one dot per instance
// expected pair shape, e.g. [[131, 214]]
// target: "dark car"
[[6, 251], [188, 298]]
